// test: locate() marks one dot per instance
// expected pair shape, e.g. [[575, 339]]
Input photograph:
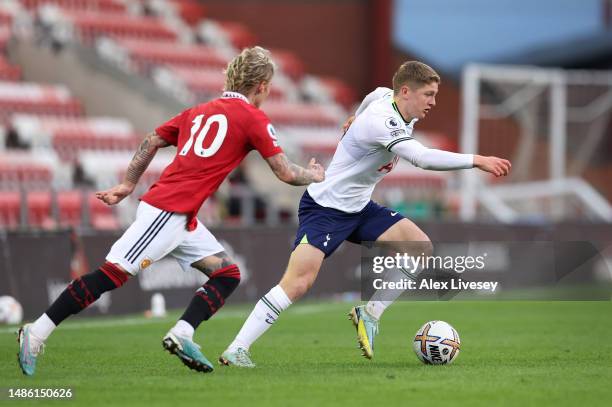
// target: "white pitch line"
[[301, 310]]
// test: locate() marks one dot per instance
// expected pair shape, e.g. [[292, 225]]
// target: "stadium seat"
[[209, 83], [41, 132], [9, 72], [27, 169], [39, 209], [29, 175], [10, 209], [147, 52], [33, 98], [289, 63], [302, 114], [100, 5], [6, 18], [70, 208], [69, 145], [5, 36], [90, 25], [102, 216]]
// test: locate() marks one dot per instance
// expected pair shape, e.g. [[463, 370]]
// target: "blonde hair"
[[414, 74], [248, 69]]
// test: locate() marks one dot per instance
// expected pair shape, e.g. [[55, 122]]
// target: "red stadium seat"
[[30, 175], [9, 72], [5, 18], [289, 62], [70, 208], [68, 145], [20, 97], [102, 216], [92, 24], [39, 209], [100, 5], [35, 175], [301, 114], [10, 209], [209, 83], [5, 36], [147, 51]]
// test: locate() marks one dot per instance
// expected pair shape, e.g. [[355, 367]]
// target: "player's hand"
[[317, 170], [347, 124], [495, 165], [115, 194]]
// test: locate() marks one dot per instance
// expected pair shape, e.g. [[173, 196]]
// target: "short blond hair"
[[415, 74], [248, 69]]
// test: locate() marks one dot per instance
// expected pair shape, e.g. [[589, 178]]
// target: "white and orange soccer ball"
[[436, 343], [11, 311]]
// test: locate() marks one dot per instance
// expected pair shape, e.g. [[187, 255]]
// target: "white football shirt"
[[369, 150], [363, 156]]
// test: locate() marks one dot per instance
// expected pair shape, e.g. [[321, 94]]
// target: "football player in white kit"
[[340, 208]]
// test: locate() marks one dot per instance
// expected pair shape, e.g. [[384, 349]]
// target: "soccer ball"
[[436, 343], [10, 310]]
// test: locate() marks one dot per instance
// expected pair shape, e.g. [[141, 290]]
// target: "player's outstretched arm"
[[292, 173], [440, 160], [141, 160]]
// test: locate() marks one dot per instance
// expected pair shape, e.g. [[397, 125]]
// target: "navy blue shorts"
[[326, 228]]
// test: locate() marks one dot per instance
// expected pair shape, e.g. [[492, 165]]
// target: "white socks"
[[265, 313], [381, 299], [183, 329], [376, 308], [42, 327]]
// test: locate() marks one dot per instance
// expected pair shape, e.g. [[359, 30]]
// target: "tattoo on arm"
[[289, 172], [143, 157]]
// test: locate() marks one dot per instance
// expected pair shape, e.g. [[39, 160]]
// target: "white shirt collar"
[[235, 95]]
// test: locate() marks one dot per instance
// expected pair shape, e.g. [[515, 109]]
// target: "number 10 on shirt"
[[221, 120]]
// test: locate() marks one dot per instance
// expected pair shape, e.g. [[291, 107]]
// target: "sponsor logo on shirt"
[[398, 132], [389, 166]]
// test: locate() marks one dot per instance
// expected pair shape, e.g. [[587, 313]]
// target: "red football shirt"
[[211, 139]]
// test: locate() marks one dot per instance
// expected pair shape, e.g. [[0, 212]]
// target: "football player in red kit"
[[211, 139]]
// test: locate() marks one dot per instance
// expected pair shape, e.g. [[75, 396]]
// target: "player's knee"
[[227, 278], [115, 273], [302, 284]]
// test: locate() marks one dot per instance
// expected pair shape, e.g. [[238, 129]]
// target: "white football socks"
[[376, 307], [42, 327], [265, 313], [381, 299], [183, 329]]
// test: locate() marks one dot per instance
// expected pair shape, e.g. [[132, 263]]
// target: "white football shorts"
[[157, 233]]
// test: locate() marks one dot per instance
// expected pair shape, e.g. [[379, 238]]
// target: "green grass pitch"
[[513, 353]]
